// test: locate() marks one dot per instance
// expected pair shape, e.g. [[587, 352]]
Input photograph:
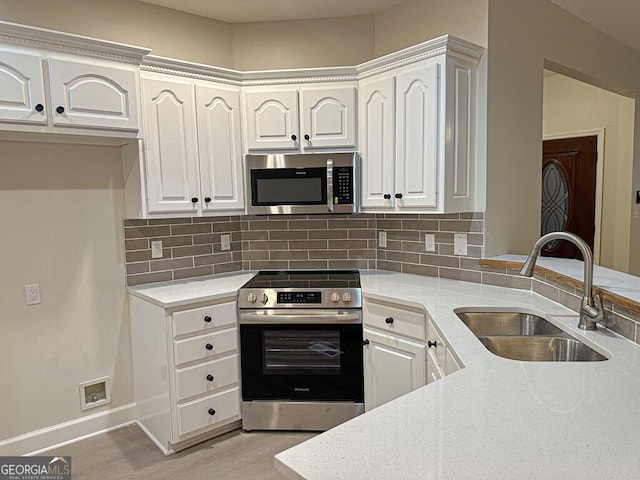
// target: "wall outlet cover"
[[156, 249], [429, 242], [32, 294], [225, 241], [460, 244], [382, 239]]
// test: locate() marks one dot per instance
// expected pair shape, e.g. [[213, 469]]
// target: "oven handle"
[[311, 318]]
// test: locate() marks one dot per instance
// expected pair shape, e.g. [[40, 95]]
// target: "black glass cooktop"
[[305, 279]]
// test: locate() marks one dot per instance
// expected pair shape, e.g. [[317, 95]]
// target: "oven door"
[[302, 362]]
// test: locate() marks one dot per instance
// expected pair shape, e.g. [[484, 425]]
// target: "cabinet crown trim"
[[42, 38]]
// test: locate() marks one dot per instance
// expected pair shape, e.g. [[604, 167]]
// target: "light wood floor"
[[127, 453]]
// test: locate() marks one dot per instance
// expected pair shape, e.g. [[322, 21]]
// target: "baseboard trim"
[[38, 441]]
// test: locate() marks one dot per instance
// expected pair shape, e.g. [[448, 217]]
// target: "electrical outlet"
[[429, 242], [32, 293], [460, 244], [156, 249], [225, 241], [382, 239]]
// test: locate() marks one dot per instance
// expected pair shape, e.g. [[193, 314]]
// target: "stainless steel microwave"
[[301, 184]]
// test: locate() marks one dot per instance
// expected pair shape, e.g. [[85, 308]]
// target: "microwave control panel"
[[343, 186]]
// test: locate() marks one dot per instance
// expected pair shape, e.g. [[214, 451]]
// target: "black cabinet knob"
[[39, 107], [60, 109], [212, 411], [208, 346], [387, 196], [294, 138], [207, 319], [194, 199], [398, 195], [365, 342], [432, 344], [388, 320], [210, 377], [306, 136], [207, 199]]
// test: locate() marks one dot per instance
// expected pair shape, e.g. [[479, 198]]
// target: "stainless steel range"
[[301, 349]]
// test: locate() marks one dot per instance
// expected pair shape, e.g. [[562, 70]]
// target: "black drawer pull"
[[365, 342], [60, 110], [387, 196], [212, 412], [388, 320], [39, 107], [432, 344], [210, 377], [208, 346], [207, 319]]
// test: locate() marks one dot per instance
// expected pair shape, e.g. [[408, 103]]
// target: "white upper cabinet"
[[219, 148], [22, 88], [58, 83], [87, 95], [193, 148], [170, 146], [417, 124], [303, 119]]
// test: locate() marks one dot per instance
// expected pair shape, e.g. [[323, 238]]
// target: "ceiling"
[[241, 11], [617, 18]]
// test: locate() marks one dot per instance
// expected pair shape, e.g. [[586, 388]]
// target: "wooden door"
[[569, 192]]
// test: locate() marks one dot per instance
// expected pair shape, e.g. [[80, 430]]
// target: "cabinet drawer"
[[199, 320], [209, 411], [391, 319], [194, 380], [206, 346]]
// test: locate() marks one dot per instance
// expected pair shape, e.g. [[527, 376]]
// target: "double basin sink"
[[526, 337]]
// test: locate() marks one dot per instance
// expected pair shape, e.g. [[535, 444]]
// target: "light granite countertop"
[[496, 418], [179, 293]]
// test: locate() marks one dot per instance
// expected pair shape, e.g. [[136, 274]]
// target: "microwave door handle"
[[330, 185]]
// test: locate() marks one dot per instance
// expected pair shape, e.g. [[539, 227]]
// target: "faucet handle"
[[591, 314]]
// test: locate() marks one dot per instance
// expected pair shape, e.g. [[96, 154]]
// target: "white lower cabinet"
[[404, 350], [186, 371], [393, 366]]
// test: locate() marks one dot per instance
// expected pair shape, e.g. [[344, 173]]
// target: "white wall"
[[523, 36], [61, 208], [571, 107], [168, 32]]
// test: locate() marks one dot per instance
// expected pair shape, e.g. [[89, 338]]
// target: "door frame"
[[600, 134]]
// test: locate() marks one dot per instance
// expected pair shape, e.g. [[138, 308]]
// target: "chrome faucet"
[[591, 310]]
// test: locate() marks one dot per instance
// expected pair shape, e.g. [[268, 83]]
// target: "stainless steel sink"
[[507, 323], [542, 349], [527, 337]]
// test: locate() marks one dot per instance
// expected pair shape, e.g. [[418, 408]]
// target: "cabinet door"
[[377, 142], [392, 367], [93, 95], [272, 120], [21, 88], [328, 117], [417, 138], [170, 146], [219, 148]]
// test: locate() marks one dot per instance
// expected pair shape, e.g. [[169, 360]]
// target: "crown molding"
[[42, 38], [199, 71]]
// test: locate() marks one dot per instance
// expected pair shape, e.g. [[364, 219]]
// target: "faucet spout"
[[591, 310]]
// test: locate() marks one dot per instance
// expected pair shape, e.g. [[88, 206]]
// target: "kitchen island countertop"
[[496, 418]]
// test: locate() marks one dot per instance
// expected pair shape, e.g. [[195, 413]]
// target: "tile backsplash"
[[192, 246]]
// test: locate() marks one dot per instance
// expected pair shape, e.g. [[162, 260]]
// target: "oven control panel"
[[299, 297], [273, 298]]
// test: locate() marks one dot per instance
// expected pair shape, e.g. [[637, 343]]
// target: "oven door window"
[[304, 352], [289, 186], [302, 362]]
